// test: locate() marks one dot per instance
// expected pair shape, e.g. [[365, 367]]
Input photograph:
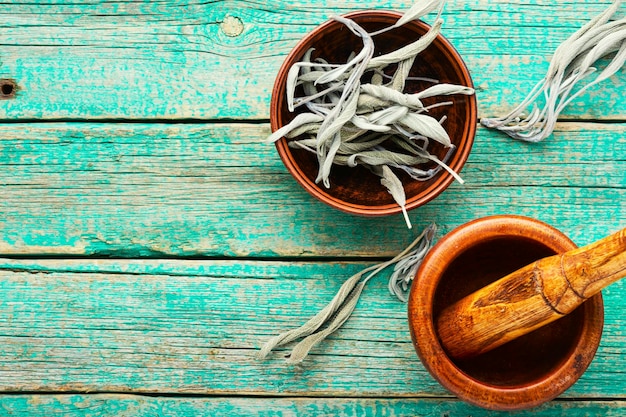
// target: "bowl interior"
[[357, 188], [529, 358]]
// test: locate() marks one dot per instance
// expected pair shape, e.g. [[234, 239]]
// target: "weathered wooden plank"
[[138, 406], [167, 59], [167, 326], [217, 190]]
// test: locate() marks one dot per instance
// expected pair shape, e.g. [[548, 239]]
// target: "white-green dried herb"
[[445, 90], [409, 51], [405, 269], [300, 120], [572, 65], [394, 185], [338, 311], [347, 103], [427, 126], [419, 9], [388, 94]]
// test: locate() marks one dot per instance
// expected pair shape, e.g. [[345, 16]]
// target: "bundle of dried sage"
[[572, 64], [337, 312], [373, 124]]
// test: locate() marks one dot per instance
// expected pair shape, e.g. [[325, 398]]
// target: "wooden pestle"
[[530, 297]]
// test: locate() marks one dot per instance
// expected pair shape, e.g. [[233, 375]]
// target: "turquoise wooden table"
[[150, 242]]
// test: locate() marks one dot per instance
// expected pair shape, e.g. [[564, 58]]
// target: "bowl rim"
[[443, 369], [439, 184]]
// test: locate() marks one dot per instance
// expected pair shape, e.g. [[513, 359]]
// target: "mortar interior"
[[526, 359]]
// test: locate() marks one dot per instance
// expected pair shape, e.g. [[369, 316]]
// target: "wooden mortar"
[[524, 372], [530, 297]]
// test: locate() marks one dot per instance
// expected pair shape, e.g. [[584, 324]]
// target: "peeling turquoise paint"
[[153, 151]]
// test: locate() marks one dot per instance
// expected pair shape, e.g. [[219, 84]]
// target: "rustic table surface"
[[150, 242]]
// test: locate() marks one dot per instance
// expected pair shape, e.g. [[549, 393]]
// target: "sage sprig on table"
[[357, 114], [337, 312], [572, 65]]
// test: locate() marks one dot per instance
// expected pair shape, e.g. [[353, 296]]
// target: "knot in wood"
[[232, 26], [8, 88]]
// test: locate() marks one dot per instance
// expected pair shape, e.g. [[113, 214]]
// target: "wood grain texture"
[[138, 406], [217, 190], [172, 326], [172, 60], [78, 182]]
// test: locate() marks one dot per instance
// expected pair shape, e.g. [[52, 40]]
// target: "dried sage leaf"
[[410, 50], [418, 10], [389, 116], [329, 133], [427, 126], [381, 157], [300, 120], [445, 90], [396, 189], [391, 95]]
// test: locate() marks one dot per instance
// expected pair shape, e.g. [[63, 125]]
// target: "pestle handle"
[[530, 297]]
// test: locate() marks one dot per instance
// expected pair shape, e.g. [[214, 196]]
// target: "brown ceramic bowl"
[[356, 190], [525, 372]]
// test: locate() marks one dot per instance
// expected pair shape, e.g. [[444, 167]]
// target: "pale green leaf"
[[427, 126], [300, 120], [396, 189], [420, 9], [444, 90]]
